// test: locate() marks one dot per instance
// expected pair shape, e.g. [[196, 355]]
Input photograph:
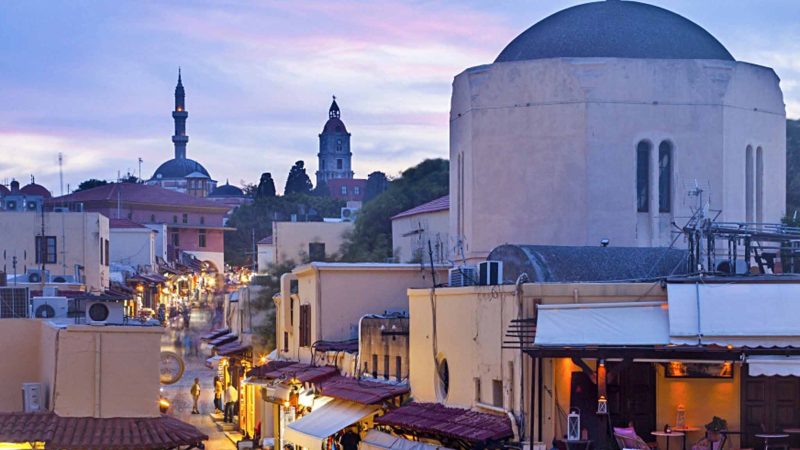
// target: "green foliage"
[[271, 285], [266, 187], [792, 166], [371, 238], [256, 219], [298, 182], [91, 183]]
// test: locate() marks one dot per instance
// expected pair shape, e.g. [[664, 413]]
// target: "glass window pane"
[[643, 177], [665, 177]]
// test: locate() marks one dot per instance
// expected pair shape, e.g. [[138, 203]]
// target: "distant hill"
[[792, 166]]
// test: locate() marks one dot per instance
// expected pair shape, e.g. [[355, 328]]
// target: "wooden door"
[[632, 398], [769, 401]]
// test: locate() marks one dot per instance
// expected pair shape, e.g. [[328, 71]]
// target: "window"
[[294, 287], [374, 366], [497, 393], [46, 250], [643, 176], [285, 341], [130, 215], [344, 190], [201, 239], [386, 366], [443, 378], [398, 368], [101, 252], [176, 241], [665, 177], [748, 184], [323, 164], [291, 311], [152, 218], [356, 190], [338, 145], [759, 185], [202, 220], [185, 218], [339, 164], [107, 253], [305, 325], [477, 382], [174, 219], [316, 251]]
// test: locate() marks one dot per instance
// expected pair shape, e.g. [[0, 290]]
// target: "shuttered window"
[[305, 325]]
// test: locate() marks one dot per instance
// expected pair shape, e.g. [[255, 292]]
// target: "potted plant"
[[715, 428]]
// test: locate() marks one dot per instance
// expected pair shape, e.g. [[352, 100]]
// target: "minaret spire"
[[179, 139]]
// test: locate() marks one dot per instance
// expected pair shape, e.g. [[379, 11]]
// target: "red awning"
[[215, 334], [360, 391], [232, 349], [457, 423], [89, 433], [303, 373], [222, 340]]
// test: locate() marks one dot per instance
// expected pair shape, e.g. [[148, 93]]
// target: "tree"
[[298, 182], [130, 179], [371, 237], [249, 189], [266, 187], [376, 184], [322, 190], [91, 183]]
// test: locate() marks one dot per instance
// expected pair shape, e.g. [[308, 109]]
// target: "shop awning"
[[215, 334], [747, 315], [312, 429], [436, 419], [360, 391], [213, 362], [773, 366], [596, 324], [303, 373], [233, 349], [378, 440], [222, 340]]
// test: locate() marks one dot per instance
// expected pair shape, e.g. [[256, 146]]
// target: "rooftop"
[[359, 390], [267, 240], [440, 204], [136, 193], [178, 168], [303, 373], [434, 418], [124, 223]]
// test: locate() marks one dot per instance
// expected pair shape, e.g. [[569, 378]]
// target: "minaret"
[[179, 115]]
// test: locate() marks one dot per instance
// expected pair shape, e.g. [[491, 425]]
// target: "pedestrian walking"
[[187, 343], [231, 399], [195, 391], [186, 317], [217, 395]]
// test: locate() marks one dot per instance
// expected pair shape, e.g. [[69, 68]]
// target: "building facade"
[[413, 229], [606, 135], [334, 148], [133, 245], [301, 242], [182, 174]]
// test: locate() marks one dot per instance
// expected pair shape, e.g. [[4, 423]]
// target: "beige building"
[[266, 254], [326, 301], [72, 246], [414, 228], [133, 244], [302, 242]]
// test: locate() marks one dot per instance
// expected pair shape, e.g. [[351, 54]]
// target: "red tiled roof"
[[35, 189], [440, 204], [89, 433], [215, 334], [124, 223], [232, 349], [222, 340], [266, 240], [137, 193], [458, 423], [303, 373], [360, 391]]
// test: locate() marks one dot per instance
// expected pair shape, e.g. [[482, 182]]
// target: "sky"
[[95, 80]]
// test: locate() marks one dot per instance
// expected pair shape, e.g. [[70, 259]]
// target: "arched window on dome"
[[643, 150], [748, 184], [665, 177], [759, 185]]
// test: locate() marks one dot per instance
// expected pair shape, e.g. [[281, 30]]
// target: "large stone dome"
[[179, 168], [614, 29]]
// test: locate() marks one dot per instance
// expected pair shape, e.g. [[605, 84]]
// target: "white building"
[[133, 244], [596, 122], [414, 228]]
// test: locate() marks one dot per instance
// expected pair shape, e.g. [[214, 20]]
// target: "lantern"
[[574, 425], [680, 419], [602, 405]]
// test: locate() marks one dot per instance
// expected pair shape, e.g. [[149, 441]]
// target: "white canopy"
[[774, 365], [311, 430], [377, 440], [737, 314], [631, 323]]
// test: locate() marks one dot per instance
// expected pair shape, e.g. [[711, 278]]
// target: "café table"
[[768, 436], [668, 435], [686, 431]]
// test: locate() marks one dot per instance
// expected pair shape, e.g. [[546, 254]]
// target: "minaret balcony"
[[180, 114]]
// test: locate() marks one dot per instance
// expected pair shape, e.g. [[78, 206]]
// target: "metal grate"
[[13, 302]]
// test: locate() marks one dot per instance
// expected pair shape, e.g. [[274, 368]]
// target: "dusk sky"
[[95, 80]]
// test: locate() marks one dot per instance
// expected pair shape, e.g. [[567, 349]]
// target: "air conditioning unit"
[[102, 313], [462, 276], [37, 275], [490, 273], [49, 307], [50, 291], [349, 214], [31, 206], [61, 209], [34, 397], [63, 279], [11, 205]]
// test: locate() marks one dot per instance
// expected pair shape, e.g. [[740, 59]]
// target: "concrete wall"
[[88, 371], [78, 237], [134, 246], [291, 239], [266, 256], [382, 340], [160, 239], [410, 236], [544, 151]]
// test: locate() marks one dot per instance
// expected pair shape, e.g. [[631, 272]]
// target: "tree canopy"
[[298, 182], [376, 184], [371, 238], [266, 187], [91, 183]]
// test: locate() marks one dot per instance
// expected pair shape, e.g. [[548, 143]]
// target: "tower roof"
[[614, 29], [334, 123], [179, 87], [179, 168], [334, 112], [35, 189]]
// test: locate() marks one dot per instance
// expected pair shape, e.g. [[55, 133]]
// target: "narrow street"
[[178, 393]]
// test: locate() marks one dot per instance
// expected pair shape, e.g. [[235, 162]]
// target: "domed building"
[[605, 121], [230, 196], [182, 174], [33, 189]]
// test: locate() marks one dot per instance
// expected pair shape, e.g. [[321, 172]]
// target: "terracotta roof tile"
[[458, 423], [124, 223], [360, 391], [266, 240], [136, 193], [440, 204], [89, 433], [304, 373]]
